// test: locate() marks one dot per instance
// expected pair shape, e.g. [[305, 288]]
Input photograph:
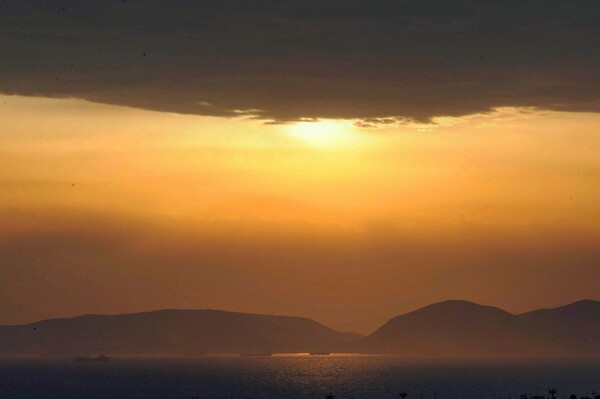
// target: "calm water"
[[296, 377]]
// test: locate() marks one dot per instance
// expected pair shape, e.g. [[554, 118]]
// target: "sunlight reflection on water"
[[297, 377]]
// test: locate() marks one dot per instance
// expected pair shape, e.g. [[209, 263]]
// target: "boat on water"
[[256, 354], [196, 354], [100, 358]]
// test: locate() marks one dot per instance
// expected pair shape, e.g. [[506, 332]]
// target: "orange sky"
[[107, 209]]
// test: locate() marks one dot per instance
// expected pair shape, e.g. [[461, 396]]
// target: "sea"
[[298, 377]]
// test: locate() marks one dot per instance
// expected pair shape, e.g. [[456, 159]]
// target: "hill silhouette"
[[459, 328], [574, 328], [172, 332], [449, 328]]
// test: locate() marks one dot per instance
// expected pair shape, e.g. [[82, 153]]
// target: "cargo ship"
[[100, 358], [256, 354]]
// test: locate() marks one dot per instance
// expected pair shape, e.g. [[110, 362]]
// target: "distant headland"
[[449, 328]]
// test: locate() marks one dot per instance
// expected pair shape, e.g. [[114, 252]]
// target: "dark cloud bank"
[[285, 60]]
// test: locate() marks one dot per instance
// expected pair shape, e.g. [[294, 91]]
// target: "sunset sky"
[[339, 161]]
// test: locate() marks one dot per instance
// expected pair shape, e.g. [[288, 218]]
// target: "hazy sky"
[[113, 209], [345, 161]]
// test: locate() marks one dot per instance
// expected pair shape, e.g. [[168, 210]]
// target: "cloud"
[[284, 61]]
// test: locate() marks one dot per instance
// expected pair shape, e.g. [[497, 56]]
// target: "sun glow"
[[323, 133]]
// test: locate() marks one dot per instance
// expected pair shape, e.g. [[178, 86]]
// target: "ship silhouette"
[[256, 354], [100, 358]]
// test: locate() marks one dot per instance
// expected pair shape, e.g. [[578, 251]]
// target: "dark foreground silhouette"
[[552, 395]]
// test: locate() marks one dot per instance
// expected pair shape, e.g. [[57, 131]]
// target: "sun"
[[322, 133]]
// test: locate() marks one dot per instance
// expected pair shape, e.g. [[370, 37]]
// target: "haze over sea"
[[298, 377]]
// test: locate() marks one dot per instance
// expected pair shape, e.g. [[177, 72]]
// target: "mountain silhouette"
[[449, 328], [461, 328], [570, 329], [172, 332]]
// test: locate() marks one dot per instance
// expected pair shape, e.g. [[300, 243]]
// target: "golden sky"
[[107, 209]]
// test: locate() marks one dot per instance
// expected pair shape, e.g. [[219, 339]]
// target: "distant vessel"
[[100, 358], [196, 354], [256, 354], [319, 353]]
